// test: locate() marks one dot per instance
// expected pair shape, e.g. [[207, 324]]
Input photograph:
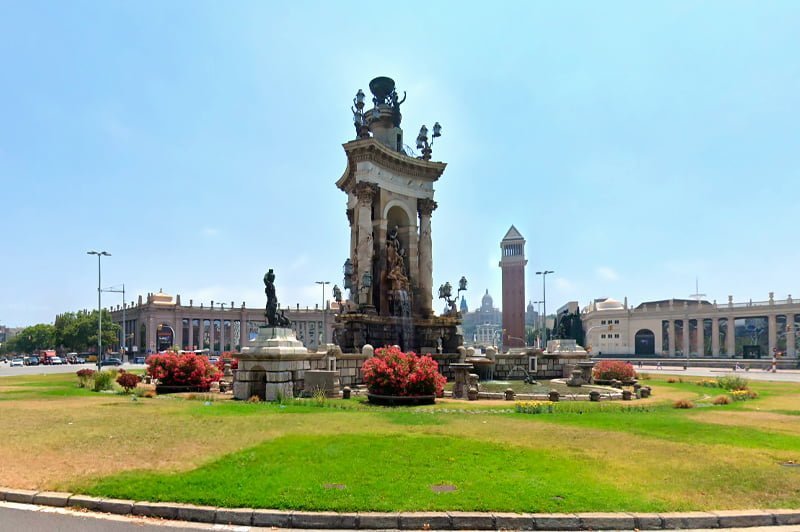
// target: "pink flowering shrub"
[[607, 370], [187, 369], [392, 372], [227, 355], [128, 381]]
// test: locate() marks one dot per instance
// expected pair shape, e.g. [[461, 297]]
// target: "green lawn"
[[350, 456]]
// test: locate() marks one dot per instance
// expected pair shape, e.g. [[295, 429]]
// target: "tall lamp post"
[[112, 289], [539, 318], [99, 308], [324, 308], [544, 306]]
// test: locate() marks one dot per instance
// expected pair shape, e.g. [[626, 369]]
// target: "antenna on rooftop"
[[697, 296]]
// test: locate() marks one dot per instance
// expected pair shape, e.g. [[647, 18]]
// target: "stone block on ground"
[[647, 521], [234, 516], [471, 520], [378, 520], [273, 518], [85, 501], [606, 521], [21, 496], [323, 520], [116, 506], [556, 521], [275, 390], [424, 520], [198, 514], [677, 520], [513, 521], [743, 518], [786, 517], [164, 510], [51, 498]]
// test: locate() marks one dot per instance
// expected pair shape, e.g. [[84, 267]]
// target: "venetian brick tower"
[[513, 264]]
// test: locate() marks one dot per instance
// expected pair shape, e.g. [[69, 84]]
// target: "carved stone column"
[[671, 337], [730, 340], [714, 337], [700, 337], [772, 330], [425, 207], [364, 245], [790, 350], [686, 347]]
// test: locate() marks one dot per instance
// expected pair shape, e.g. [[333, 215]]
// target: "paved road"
[[6, 370], [782, 375], [30, 518]]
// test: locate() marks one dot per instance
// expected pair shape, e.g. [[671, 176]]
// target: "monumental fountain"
[[389, 270]]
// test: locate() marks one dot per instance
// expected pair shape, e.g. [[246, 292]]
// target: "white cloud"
[[607, 274]]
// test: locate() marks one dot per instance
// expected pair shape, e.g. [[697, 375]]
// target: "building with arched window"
[[690, 327], [160, 321]]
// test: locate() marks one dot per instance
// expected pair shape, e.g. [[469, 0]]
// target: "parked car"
[[111, 362], [139, 360], [56, 361], [32, 361], [17, 362]]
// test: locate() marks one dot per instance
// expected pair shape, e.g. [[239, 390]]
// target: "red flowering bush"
[[85, 376], [227, 356], [187, 369], [128, 381], [607, 370], [392, 372]]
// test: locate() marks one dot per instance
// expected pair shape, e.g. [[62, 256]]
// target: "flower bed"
[[182, 372], [609, 370], [393, 373]]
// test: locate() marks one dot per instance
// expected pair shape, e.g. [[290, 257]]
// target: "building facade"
[[161, 321], [512, 263], [696, 328]]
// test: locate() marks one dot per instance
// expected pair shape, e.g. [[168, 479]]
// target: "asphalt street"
[[30, 518]]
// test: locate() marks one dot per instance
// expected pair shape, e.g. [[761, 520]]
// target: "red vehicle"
[[46, 356]]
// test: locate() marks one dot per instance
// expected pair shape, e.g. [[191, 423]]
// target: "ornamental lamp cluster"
[[422, 140]]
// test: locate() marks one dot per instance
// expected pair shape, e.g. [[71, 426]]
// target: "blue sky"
[[635, 145]]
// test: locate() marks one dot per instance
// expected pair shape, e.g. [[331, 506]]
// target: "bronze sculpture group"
[[274, 319]]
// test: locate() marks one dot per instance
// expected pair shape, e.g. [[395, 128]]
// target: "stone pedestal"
[[272, 367], [460, 377], [321, 380]]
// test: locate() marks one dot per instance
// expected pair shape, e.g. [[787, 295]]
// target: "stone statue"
[[272, 300]]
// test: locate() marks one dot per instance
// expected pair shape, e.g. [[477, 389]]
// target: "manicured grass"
[[346, 455], [382, 472]]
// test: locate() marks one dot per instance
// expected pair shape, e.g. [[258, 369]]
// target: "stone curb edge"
[[409, 520]]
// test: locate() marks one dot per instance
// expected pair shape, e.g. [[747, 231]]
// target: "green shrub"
[[104, 380], [733, 383]]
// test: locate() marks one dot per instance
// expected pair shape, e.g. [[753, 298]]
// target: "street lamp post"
[[99, 308], [544, 306], [539, 319], [112, 289], [324, 321]]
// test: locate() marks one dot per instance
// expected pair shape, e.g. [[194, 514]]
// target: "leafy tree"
[[34, 338], [77, 331]]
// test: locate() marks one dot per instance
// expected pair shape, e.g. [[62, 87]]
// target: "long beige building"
[[160, 321], [681, 327]]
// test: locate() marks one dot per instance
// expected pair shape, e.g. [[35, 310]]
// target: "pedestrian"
[[658, 366]]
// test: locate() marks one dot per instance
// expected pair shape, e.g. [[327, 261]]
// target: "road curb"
[[410, 520]]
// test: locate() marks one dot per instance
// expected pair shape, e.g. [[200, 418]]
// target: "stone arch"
[[394, 205], [645, 342]]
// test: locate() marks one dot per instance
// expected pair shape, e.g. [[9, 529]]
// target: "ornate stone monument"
[[390, 202], [276, 360]]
